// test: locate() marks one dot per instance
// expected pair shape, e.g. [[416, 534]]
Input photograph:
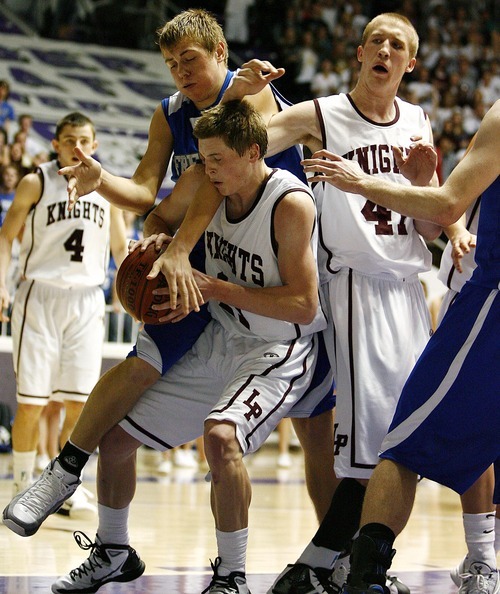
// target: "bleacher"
[[118, 88]]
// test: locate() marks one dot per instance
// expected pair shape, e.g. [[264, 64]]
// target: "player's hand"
[[159, 239], [419, 165], [333, 169], [83, 178], [251, 78], [461, 244], [183, 290], [4, 304], [178, 313]]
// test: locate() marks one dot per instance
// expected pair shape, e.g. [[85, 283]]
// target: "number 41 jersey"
[[354, 232], [65, 248]]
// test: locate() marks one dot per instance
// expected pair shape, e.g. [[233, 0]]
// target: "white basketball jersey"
[[244, 252], [354, 232], [447, 273], [61, 247]]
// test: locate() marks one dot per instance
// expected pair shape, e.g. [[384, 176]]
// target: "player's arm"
[[117, 235], [443, 205], [28, 193], [196, 202], [136, 194], [296, 300]]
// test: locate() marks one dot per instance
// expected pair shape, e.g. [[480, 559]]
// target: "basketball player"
[[370, 260], [58, 313], [431, 434], [479, 514], [252, 363], [196, 53]]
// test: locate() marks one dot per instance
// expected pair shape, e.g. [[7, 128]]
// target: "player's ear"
[[95, 144], [411, 65], [55, 145], [359, 53]]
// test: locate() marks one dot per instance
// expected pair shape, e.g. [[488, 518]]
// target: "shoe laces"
[[217, 580], [95, 559], [48, 486], [477, 583]]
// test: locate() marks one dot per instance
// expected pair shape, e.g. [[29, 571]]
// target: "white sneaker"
[[284, 460], [164, 467], [41, 461], [106, 563], [79, 506], [185, 458], [27, 510], [476, 578]]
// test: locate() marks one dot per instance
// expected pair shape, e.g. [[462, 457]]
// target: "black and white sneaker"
[[299, 577], [234, 583], [26, 512], [341, 570], [106, 563]]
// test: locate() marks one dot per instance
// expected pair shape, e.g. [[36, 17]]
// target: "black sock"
[[73, 459], [379, 532], [342, 518]]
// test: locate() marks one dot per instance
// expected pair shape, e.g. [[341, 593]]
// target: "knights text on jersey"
[[354, 232], [244, 252], [62, 247]]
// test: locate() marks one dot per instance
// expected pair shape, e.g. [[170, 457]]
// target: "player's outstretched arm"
[[444, 205], [136, 194], [250, 79]]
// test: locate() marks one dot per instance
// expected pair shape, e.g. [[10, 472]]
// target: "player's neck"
[[376, 106], [238, 204]]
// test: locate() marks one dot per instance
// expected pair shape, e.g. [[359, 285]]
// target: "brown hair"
[[238, 123], [195, 24]]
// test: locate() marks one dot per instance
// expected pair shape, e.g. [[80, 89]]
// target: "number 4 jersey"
[[62, 247], [354, 232]]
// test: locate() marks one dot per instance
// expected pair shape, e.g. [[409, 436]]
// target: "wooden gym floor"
[[171, 527]]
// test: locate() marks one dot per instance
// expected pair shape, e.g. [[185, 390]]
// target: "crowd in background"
[[456, 80]]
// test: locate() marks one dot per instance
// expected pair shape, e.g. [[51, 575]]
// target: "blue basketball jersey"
[[487, 272]]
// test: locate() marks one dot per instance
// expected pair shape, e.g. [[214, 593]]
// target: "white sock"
[[232, 550], [113, 525], [497, 535], [318, 556], [480, 537], [23, 466]]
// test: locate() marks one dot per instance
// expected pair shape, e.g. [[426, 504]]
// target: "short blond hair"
[[195, 24], [400, 20]]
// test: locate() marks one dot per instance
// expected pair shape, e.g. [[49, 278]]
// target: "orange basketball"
[[135, 291]]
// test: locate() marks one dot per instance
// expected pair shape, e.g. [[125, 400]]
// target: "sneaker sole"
[[23, 529], [125, 577]]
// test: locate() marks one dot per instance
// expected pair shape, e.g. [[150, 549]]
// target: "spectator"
[[7, 113], [36, 150], [307, 64], [4, 148], [326, 81], [9, 178]]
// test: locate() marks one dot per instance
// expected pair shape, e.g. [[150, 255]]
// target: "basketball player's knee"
[[221, 445], [114, 446]]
